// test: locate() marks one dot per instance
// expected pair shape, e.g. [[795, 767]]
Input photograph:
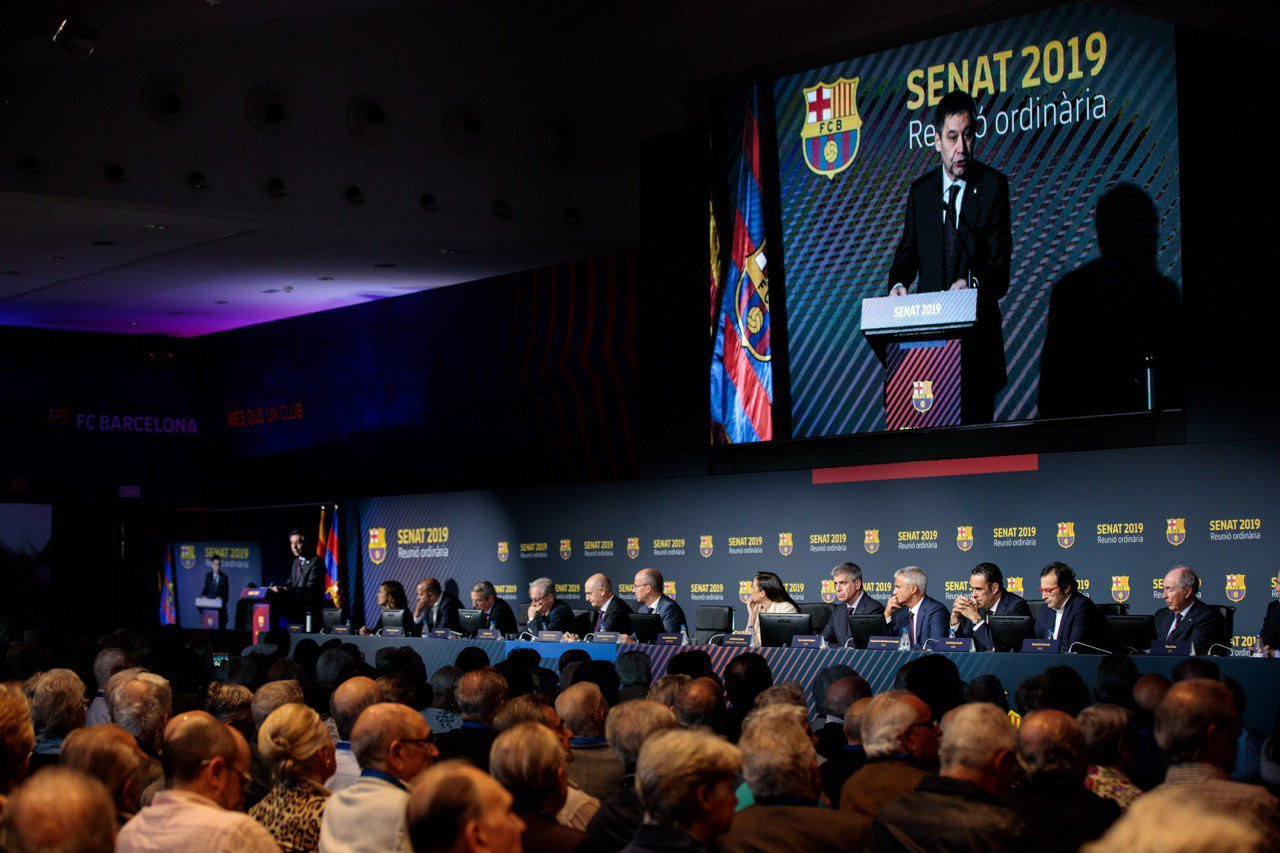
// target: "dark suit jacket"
[[221, 589], [1080, 622], [1010, 604], [307, 579], [672, 614], [471, 742], [767, 829], [1061, 815], [502, 617], [837, 630], [933, 622], [946, 814], [616, 618], [558, 618], [449, 605], [985, 250], [1270, 633], [542, 833], [837, 769], [1203, 626], [618, 817]]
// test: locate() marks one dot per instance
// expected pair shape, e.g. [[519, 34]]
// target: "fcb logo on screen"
[[832, 126], [964, 537], [1235, 587], [829, 591], [1120, 588], [1067, 535], [504, 551], [922, 395], [377, 545], [633, 546], [871, 541], [566, 549], [744, 591], [1176, 532], [669, 589], [785, 545], [187, 556], [1014, 585], [706, 545]]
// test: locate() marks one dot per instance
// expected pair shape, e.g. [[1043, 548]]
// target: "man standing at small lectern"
[[217, 586], [956, 236]]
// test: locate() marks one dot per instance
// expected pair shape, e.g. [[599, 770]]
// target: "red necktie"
[[599, 618], [1177, 620]]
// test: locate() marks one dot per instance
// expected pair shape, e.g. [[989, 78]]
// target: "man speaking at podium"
[[956, 236], [306, 579]]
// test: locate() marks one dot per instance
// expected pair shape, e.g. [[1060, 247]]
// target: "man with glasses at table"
[[206, 763], [393, 744], [546, 612], [1068, 616]]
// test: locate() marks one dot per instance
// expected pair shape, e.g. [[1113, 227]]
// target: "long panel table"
[[1260, 677]]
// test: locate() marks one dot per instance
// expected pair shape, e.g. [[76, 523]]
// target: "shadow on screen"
[[1109, 315]]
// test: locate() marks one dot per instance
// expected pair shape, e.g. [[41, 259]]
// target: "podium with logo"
[[211, 610], [921, 340]]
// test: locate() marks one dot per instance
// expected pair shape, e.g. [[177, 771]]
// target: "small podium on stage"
[[210, 613], [920, 338]]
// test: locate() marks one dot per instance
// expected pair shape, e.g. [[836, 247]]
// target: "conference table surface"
[[1260, 677]]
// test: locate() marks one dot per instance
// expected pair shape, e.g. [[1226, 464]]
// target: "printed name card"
[[1040, 647], [342, 629], [953, 644], [736, 640], [442, 633], [393, 632], [295, 628], [667, 640], [550, 636], [488, 634], [1183, 648], [883, 643], [605, 637], [806, 641], [259, 592]]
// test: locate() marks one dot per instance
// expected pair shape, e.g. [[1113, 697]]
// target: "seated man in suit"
[[652, 599], [852, 602], [1067, 616], [546, 612], [987, 597], [911, 610], [612, 613], [497, 613], [435, 609], [1187, 618], [1269, 636]]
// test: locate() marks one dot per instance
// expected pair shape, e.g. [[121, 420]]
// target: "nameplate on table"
[[1040, 647], [667, 640], [806, 641], [1161, 648], [488, 634], [295, 628], [605, 637], [884, 644], [952, 644], [258, 592], [393, 632], [736, 640], [441, 633], [550, 636], [340, 629]]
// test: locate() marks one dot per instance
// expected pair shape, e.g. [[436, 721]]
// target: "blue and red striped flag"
[[741, 367], [327, 550], [168, 599]]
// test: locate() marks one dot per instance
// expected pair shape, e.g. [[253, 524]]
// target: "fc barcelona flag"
[[168, 599], [327, 550], [741, 369]]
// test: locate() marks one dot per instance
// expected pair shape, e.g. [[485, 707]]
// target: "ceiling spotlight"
[[76, 37], [385, 266], [30, 164], [354, 195], [197, 181], [429, 202], [288, 288], [270, 290], [277, 188], [325, 278], [219, 302], [571, 217], [156, 226], [446, 251], [116, 173], [502, 210]]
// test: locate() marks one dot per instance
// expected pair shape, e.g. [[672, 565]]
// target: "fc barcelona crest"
[[1014, 585], [504, 551], [1235, 587], [744, 591], [964, 537], [785, 545], [187, 556], [706, 545], [829, 591], [1176, 532], [751, 305], [1120, 588], [922, 395], [377, 545], [1067, 535], [669, 589], [832, 126], [566, 549], [871, 541], [633, 546]]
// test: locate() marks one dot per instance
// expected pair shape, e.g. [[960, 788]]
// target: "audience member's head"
[[1195, 667], [634, 669], [109, 754], [57, 703], [987, 688], [778, 759], [1028, 695], [393, 688], [17, 736], [686, 780], [1114, 679], [843, 692], [853, 721], [583, 709], [273, 695], [528, 761], [899, 723], [207, 757], [140, 703], [479, 693], [443, 684], [631, 723], [666, 689], [59, 809], [746, 677], [295, 744], [1108, 734], [700, 705], [1197, 722], [694, 663], [393, 739], [333, 667], [455, 807], [935, 679], [1161, 821], [572, 656], [978, 743], [1064, 690], [231, 704], [602, 674], [1148, 692], [1051, 743], [827, 676], [471, 658], [107, 663], [349, 701], [786, 693]]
